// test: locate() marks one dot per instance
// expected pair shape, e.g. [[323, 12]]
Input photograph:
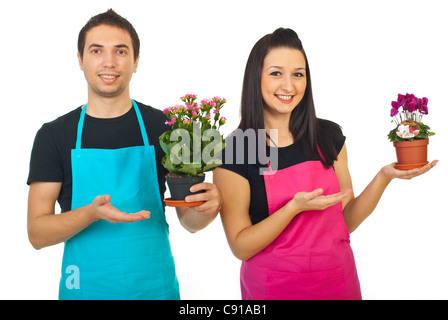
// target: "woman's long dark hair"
[[305, 127]]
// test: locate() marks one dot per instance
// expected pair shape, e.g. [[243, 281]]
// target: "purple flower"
[[395, 105], [423, 105], [411, 106], [401, 100], [410, 102], [393, 112]]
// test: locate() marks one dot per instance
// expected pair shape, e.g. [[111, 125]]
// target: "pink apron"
[[312, 258]]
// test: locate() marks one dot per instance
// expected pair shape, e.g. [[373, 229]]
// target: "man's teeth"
[[108, 77], [284, 97]]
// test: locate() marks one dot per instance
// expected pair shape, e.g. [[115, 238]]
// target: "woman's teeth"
[[284, 97]]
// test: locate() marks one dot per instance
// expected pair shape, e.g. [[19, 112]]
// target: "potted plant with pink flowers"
[[410, 135], [192, 145]]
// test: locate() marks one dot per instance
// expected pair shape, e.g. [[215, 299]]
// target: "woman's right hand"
[[314, 200]]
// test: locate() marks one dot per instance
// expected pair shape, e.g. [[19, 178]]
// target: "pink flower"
[[222, 121], [216, 111], [207, 116], [194, 113]]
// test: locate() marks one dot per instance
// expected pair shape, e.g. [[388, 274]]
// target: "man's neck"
[[102, 107]]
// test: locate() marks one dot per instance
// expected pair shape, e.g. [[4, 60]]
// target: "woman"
[[290, 224]]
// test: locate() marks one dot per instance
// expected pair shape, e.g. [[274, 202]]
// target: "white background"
[[361, 55]]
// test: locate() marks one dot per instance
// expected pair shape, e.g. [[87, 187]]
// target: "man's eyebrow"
[[95, 45]]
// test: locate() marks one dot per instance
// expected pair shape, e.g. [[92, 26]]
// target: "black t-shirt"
[[241, 163], [51, 154]]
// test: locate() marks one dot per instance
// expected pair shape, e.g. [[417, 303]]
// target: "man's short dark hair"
[[109, 18]]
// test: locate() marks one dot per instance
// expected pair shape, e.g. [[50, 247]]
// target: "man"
[[102, 163]]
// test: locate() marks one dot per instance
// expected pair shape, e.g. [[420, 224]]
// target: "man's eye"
[[121, 52], [96, 51]]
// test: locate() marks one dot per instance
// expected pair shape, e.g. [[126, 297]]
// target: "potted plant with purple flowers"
[[192, 145], [410, 135]]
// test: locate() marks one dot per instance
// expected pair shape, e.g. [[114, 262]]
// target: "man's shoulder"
[[155, 118], [65, 121], [147, 110]]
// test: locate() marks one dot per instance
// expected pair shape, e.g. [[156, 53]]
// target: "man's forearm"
[[50, 229], [193, 220]]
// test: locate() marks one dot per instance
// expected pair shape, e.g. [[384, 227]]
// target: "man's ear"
[[80, 62], [136, 64]]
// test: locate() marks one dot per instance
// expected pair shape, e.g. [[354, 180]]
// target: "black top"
[[51, 154], [241, 163]]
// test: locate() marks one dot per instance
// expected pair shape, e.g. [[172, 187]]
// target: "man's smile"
[[108, 78]]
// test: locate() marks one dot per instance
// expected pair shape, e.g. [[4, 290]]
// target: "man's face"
[[108, 61]]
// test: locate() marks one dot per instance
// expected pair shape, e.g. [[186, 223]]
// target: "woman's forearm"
[[253, 239], [359, 208]]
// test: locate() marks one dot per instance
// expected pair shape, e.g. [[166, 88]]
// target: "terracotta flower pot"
[[411, 154]]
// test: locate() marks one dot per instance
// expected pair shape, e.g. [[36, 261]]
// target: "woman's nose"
[[287, 83]]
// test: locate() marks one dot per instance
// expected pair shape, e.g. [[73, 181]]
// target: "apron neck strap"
[[139, 118], [141, 124]]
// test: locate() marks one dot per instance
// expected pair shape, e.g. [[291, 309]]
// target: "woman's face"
[[283, 80]]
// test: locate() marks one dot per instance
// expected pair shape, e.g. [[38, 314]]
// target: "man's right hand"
[[45, 228], [102, 209]]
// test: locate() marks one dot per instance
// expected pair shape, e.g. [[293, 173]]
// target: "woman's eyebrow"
[[279, 67]]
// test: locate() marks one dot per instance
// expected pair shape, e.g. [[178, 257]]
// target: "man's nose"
[[109, 60]]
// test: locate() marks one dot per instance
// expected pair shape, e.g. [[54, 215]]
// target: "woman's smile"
[[284, 98]]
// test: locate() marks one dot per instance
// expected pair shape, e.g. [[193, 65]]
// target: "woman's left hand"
[[391, 173]]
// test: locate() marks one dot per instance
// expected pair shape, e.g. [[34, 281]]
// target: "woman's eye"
[[298, 74], [275, 73]]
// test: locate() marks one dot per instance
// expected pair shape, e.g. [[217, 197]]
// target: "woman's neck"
[[282, 137]]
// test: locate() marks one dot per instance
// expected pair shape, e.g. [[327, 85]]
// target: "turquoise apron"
[[122, 260]]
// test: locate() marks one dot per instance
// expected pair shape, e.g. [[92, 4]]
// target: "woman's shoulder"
[[332, 132], [329, 127]]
